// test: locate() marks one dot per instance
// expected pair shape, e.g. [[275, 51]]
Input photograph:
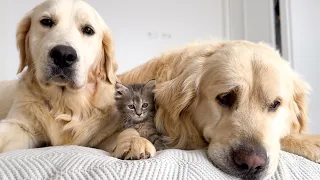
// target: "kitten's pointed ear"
[[120, 90], [150, 84]]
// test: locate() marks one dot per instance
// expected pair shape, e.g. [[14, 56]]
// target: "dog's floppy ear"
[[178, 92], [23, 42], [176, 97], [108, 65], [301, 90]]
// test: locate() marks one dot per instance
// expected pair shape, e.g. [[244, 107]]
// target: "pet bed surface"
[[82, 163]]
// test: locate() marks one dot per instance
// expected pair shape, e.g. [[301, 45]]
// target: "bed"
[[75, 162]]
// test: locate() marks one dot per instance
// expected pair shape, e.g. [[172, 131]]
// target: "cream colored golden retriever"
[[65, 96], [240, 99]]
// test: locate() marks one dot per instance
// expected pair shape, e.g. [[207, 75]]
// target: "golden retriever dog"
[[65, 95], [239, 99]]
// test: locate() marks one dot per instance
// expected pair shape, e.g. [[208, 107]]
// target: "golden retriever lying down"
[[240, 99]]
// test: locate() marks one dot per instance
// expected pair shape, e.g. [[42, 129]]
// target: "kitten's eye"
[[87, 30], [145, 105], [131, 106], [47, 22], [274, 105]]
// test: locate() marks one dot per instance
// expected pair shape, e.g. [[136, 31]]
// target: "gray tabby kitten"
[[136, 105]]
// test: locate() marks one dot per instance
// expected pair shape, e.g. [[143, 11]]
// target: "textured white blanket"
[[74, 162]]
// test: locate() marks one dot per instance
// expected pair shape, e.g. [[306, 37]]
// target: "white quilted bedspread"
[[74, 162]]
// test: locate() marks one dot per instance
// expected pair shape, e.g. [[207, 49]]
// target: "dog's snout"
[[63, 56], [250, 159]]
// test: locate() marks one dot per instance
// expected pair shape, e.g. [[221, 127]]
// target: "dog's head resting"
[[65, 43], [242, 98]]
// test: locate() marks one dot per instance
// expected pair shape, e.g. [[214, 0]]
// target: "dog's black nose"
[[250, 158], [63, 56]]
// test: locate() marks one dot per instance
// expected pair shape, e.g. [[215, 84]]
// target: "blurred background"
[[143, 29]]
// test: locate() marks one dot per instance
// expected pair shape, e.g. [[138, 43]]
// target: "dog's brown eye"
[[227, 99], [88, 31], [47, 22], [145, 105], [274, 105], [131, 106]]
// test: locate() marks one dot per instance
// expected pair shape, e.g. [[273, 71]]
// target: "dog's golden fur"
[[189, 80]]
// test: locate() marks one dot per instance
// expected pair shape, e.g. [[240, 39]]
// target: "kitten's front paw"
[[134, 148]]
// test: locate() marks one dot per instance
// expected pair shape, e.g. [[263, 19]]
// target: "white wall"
[[144, 28], [3, 39], [11, 12], [305, 50], [251, 20]]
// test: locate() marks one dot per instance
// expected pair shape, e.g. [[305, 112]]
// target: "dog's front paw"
[[311, 149], [134, 148], [130, 145], [304, 145]]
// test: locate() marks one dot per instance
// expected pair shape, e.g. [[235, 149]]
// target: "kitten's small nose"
[[138, 112]]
